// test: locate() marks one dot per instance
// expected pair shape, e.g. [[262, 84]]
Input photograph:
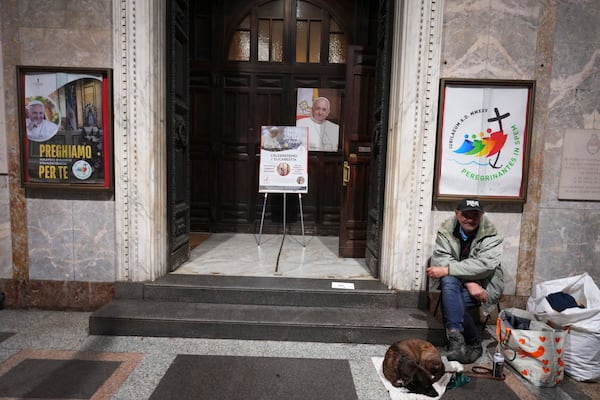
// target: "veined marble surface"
[[240, 255], [5, 240]]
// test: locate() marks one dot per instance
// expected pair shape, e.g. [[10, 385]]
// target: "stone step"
[[266, 308], [268, 291], [131, 317]]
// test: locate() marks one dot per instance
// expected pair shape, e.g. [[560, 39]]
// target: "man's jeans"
[[456, 303]]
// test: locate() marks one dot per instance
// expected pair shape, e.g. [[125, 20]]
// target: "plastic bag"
[[582, 344], [535, 350], [582, 288]]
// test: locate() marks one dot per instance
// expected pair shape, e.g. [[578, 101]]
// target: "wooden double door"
[[247, 60]]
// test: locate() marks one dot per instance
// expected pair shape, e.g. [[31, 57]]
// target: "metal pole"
[[301, 218], [262, 220]]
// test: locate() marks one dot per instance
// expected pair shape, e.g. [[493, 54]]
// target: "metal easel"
[[262, 218]]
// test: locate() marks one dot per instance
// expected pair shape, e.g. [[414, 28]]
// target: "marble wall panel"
[[75, 14], [94, 247], [71, 240], [65, 33], [65, 47], [489, 40], [50, 239], [509, 226], [512, 39], [577, 20], [3, 148], [575, 98], [570, 244], [465, 39], [5, 233], [5, 241]]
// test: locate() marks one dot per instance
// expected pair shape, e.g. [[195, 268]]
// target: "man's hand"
[[437, 272], [476, 291]]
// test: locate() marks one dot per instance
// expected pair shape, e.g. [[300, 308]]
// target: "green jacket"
[[482, 265]]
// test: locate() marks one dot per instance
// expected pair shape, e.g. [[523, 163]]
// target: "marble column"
[[411, 144], [140, 147], [17, 201], [530, 220], [5, 234]]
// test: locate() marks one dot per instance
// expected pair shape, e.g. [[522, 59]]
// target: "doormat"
[[54, 374], [255, 378], [5, 335]]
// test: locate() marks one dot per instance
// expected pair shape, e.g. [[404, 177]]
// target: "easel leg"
[[262, 220], [283, 237], [284, 213], [301, 218]]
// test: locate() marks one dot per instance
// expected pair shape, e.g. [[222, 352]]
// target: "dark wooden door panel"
[[177, 133], [353, 242], [357, 151], [235, 119], [330, 191], [200, 200], [269, 110], [201, 160], [233, 141], [231, 100], [385, 24], [321, 205], [236, 187]]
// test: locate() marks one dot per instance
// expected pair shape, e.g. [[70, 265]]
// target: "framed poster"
[[483, 139], [319, 110], [283, 159], [66, 131]]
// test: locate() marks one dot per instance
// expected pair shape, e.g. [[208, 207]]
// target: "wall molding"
[[139, 126], [411, 144]]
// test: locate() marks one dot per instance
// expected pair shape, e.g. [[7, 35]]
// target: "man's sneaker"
[[456, 346], [472, 353]]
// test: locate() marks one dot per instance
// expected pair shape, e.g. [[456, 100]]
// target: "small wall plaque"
[[580, 166]]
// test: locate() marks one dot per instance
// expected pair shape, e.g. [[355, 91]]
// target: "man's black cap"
[[469, 204]]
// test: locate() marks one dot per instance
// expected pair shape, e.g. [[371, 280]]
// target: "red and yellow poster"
[[66, 128]]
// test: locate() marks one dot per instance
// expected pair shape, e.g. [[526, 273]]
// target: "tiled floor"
[[143, 362], [272, 255], [66, 334]]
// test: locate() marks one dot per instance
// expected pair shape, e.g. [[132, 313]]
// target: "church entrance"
[[247, 60]]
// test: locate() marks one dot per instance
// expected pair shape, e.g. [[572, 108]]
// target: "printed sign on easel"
[[283, 159]]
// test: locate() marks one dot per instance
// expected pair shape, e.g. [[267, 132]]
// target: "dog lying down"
[[414, 364]]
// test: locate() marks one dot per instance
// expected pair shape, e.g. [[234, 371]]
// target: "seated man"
[[465, 266]]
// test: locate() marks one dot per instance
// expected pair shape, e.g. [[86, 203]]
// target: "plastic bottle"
[[498, 365]]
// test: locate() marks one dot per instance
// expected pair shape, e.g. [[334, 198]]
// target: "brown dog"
[[414, 364]]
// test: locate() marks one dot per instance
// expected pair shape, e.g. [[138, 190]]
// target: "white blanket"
[[404, 394]]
